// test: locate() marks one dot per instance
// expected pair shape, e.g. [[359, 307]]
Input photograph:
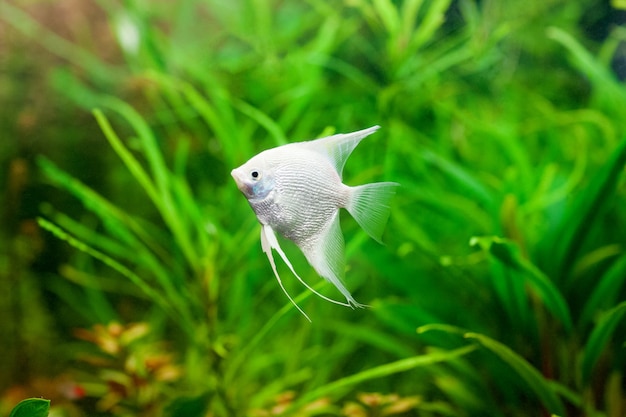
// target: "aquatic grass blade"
[[584, 211], [388, 369], [173, 305], [541, 386], [608, 91], [146, 251], [135, 168], [159, 189], [512, 293], [599, 338], [509, 255], [117, 222], [382, 341], [263, 120], [147, 140], [216, 112], [605, 291], [535, 381], [408, 18], [107, 260], [239, 359], [469, 185], [432, 21], [388, 15]]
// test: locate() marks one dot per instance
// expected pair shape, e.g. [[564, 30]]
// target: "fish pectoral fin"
[[339, 147], [326, 253], [269, 242], [369, 205]]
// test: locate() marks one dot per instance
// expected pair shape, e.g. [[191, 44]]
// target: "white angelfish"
[[296, 191]]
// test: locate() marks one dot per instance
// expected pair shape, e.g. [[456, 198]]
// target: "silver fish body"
[[297, 191]]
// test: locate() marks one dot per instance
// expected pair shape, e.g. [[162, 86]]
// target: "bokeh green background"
[[132, 281]]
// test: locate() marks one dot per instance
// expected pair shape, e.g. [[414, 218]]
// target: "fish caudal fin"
[[369, 205], [325, 253]]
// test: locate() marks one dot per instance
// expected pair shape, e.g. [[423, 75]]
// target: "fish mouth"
[[241, 184]]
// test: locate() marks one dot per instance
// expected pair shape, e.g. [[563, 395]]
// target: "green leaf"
[[263, 120], [31, 407], [599, 338], [188, 406], [576, 223], [119, 223], [217, 114], [468, 184], [107, 260], [509, 255], [135, 168], [542, 387], [388, 14], [402, 365], [536, 382], [587, 63], [606, 87], [159, 189], [605, 292], [433, 19], [126, 231]]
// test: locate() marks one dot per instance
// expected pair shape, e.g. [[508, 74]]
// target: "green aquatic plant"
[[128, 373], [544, 312], [127, 243], [501, 121]]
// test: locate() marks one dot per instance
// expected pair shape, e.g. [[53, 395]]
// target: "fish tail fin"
[[369, 205]]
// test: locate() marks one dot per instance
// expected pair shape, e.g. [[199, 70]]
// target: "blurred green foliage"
[[500, 290]]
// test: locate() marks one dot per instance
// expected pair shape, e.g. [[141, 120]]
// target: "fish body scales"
[[308, 193]]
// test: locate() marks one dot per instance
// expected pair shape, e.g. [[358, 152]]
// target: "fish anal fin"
[[325, 253], [269, 242], [369, 205]]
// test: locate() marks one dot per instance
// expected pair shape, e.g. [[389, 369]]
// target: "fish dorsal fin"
[[326, 255], [339, 147], [269, 242]]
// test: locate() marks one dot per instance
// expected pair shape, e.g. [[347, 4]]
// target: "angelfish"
[[296, 190]]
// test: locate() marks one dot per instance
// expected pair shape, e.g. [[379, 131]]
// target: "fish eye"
[[255, 174]]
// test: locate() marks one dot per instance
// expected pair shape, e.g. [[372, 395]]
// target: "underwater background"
[[132, 281]]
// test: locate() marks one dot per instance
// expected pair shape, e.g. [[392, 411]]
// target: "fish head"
[[254, 179]]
